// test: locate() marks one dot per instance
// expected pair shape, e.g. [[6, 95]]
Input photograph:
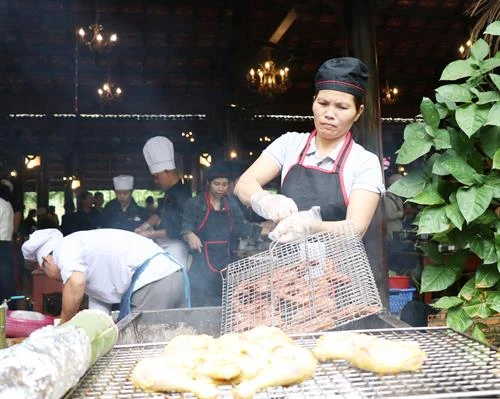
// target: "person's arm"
[[72, 295], [261, 172]]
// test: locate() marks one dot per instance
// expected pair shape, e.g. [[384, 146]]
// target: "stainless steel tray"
[[162, 325], [457, 367]]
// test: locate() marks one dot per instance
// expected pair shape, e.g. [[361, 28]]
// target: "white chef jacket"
[[6, 220], [109, 258]]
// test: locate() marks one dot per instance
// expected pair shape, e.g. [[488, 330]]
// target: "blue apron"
[[125, 306]]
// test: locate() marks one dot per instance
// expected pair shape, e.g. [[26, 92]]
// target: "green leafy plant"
[[458, 186]]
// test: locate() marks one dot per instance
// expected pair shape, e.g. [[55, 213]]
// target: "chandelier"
[[268, 80], [109, 92], [94, 38], [389, 94]]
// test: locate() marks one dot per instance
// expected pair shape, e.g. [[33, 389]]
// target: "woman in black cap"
[[211, 224], [325, 176]]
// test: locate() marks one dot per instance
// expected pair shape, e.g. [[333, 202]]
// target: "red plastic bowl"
[[401, 282], [21, 323]]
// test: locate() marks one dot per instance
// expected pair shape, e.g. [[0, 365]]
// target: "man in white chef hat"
[[123, 212], [110, 266], [166, 226]]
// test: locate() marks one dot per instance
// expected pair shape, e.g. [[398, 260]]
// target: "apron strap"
[[125, 306]]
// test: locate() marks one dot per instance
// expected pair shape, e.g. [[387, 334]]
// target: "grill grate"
[[457, 367], [316, 284]]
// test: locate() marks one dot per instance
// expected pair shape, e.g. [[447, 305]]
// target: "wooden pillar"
[[42, 183], [360, 42]]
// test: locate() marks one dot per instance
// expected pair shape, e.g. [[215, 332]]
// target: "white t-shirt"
[[109, 258], [6, 220], [362, 169]]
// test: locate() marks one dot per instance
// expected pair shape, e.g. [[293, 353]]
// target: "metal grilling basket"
[[319, 283]]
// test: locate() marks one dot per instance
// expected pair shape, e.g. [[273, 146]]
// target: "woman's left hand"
[[296, 226]]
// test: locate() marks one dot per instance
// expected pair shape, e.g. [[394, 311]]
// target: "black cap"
[[345, 74], [217, 171]]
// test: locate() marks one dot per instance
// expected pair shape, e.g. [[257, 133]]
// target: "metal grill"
[[457, 367], [316, 284]]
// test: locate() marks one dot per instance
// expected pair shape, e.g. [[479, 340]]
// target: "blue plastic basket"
[[398, 298]]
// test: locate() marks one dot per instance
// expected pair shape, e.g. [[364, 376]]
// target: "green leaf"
[[473, 201], [460, 142], [456, 166], [447, 302], [493, 182], [496, 160], [429, 112], [470, 117], [486, 97], [495, 79], [493, 29], [458, 319], [484, 249], [487, 276], [489, 137], [457, 70], [417, 143], [433, 220], [410, 185], [497, 247], [479, 50], [440, 277], [442, 110], [447, 104], [442, 139], [430, 196], [469, 290], [479, 309], [493, 117], [431, 251], [493, 300], [478, 334], [454, 92], [454, 215], [489, 64], [488, 217]]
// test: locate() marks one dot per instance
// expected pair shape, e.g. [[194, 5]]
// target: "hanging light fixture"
[[32, 161], [109, 92], [389, 94], [268, 80], [93, 37]]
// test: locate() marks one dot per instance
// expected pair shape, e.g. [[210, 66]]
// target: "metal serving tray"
[[457, 367]]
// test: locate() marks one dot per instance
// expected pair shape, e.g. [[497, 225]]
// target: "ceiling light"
[[389, 94], [94, 39], [268, 80]]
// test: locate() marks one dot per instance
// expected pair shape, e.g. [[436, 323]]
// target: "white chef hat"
[[7, 183], [123, 182], [159, 154], [41, 243]]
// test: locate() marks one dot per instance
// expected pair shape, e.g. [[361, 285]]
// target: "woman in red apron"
[[325, 176], [211, 225]]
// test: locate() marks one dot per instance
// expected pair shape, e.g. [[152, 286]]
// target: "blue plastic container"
[[398, 298]]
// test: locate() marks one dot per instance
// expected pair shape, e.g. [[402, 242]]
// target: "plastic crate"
[[398, 298]]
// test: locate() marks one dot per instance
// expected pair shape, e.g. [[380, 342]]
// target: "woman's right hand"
[[193, 241], [273, 207]]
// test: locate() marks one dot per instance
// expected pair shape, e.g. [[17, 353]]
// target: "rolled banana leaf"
[[52, 359], [99, 327]]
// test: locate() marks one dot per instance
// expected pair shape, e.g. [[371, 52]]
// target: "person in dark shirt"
[[85, 218], [123, 212], [211, 225], [165, 227]]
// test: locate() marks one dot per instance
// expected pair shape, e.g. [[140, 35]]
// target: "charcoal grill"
[[457, 366]]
